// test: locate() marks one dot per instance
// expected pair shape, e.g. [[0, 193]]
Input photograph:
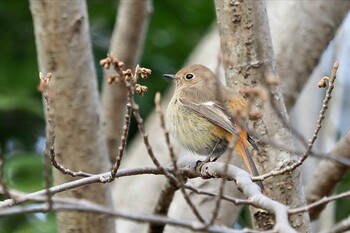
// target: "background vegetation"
[[176, 26], [174, 30]]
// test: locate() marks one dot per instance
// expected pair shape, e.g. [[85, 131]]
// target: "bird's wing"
[[213, 112]]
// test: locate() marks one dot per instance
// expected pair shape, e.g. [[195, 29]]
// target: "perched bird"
[[200, 114]]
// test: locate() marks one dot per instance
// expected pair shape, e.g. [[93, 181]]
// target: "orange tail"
[[243, 151]]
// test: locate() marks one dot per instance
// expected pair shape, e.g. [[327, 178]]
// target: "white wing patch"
[[210, 103]]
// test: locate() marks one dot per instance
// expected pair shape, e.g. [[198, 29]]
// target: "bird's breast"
[[194, 131]]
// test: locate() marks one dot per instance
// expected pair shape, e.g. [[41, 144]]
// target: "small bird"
[[200, 114]]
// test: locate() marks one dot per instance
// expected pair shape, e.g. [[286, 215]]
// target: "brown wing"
[[213, 113]]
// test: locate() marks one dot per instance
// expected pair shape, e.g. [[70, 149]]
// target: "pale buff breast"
[[193, 131]]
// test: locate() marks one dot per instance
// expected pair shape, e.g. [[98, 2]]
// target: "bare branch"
[[121, 149], [86, 206], [180, 180], [214, 169], [332, 173], [127, 43], [316, 131], [162, 206], [82, 182], [47, 175], [222, 185], [168, 191], [64, 170], [342, 226], [319, 203], [252, 191]]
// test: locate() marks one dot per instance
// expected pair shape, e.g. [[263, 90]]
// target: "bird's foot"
[[201, 163]]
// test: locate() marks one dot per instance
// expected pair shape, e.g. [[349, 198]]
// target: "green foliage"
[[343, 205], [176, 27], [24, 172], [29, 223], [19, 100]]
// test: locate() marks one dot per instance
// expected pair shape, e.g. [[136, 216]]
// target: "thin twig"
[[331, 172], [179, 178], [235, 201], [121, 149], [87, 206], [222, 185], [64, 170], [85, 181], [214, 169], [165, 131], [322, 201], [48, 94], [316, 131], [47, 176], [125, 77], [271, 80], [131, 84], [162, 206], [169, 189]]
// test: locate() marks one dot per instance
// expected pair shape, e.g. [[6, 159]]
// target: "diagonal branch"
[[316, 131], [332, 172]]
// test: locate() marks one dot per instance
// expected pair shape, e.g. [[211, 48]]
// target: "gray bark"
[[248, 57], [64, 49]]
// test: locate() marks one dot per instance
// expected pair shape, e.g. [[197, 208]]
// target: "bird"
[[200, 116]]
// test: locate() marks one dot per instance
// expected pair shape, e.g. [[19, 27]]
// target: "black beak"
[[169, 76]]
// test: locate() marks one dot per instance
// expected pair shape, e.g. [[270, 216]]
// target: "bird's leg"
[[211, 158]]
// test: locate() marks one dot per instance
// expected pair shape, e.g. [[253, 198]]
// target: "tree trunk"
[[64, 49], [248, 56]]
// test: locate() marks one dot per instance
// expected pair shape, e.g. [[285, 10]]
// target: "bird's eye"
[[189, 76]]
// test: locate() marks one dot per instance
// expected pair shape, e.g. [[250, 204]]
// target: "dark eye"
[[189, 76]]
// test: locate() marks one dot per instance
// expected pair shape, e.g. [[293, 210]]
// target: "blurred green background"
[[175, 28]]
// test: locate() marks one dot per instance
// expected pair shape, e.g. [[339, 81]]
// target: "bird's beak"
[[169, 76]]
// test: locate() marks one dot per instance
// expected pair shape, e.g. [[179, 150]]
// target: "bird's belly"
[[194, 131]]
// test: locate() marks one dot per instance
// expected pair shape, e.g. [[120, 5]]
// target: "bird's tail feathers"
[[243, 151]]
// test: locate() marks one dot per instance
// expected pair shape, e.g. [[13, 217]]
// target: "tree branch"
[[127, 44], [298, 46], [332, 173]]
